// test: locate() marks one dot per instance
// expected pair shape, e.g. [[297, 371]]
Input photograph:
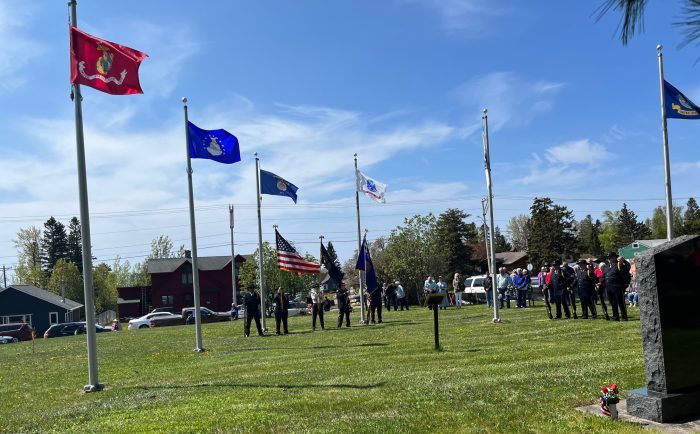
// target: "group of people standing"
[[592, 283]]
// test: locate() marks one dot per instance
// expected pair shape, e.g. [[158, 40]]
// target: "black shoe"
[[278, 333], [313, 329], [261, 334], [584, 317], [550, 316], [624, 319], [595, 317], [615, 319], [286, 332], [246, 335], [575, 316]]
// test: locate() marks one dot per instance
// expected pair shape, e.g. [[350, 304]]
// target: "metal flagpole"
[[489, 188], [260, 244], [193, 234], [484, 206], [233, 257], [667, 164], [359, 247], [88, 289]]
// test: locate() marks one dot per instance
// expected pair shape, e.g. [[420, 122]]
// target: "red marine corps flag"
[[104, 65]]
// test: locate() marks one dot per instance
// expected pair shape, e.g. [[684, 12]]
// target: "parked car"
[[70, 328], [474, 291], [21, 331], [142, 322], [8, 339], [161, 309], [207, 315], [295, 307]]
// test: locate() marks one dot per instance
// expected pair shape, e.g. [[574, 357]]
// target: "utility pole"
[[4, 277]]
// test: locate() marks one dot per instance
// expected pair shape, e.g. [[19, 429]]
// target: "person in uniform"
[[281, 310], [342, 299], [251, 301], [585, 282], [616, 280], [318, 301], [570, 294], [390, 294], [375, 304], [557, 290]]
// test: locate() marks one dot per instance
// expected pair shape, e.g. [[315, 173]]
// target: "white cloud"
[[17, 48], [577, 152], [509, 98], [464, 16], [130, 170]]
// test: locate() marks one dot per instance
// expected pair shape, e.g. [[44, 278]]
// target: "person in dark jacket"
[[616, 280], [251, 301], [390, 296], [375, 304], [558, 286], [281, 310], [342, 299], [585, 283], [569, 296]]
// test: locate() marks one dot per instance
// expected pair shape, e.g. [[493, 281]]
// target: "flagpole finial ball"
[[355, 155], [184, 100], [659, 47], [485, 111]]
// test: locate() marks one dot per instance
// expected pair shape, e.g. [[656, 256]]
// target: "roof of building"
[[205, 263], [45, 295], [651, 243], [510, 257]]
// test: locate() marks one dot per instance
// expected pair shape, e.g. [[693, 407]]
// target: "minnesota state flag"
[[678, 105]]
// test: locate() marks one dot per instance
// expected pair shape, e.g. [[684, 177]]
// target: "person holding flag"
[[374, 291]]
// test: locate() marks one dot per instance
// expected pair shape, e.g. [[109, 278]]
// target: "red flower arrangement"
[[609, 395]]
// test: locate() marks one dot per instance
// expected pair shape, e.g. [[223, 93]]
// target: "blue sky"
[[574, 115]]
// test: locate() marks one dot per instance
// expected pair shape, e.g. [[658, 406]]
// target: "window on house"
[[53, 317], [167, 300], [188, 300], [186, 274], [635, 245]]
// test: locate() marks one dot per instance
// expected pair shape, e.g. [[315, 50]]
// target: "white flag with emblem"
[[371, 187]]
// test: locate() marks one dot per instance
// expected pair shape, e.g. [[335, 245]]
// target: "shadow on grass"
[[264, 386], [316, 347]]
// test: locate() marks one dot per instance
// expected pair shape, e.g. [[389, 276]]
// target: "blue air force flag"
[[678, 105], [276, 185], [371, 187], [217, 145]]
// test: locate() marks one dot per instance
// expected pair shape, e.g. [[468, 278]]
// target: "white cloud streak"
[[17, 49]]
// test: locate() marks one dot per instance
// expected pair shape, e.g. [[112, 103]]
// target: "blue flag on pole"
[[276, 185], [364, 262], [678, 105], [217, 145]]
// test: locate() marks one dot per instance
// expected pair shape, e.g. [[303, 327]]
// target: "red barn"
[[171, 286]]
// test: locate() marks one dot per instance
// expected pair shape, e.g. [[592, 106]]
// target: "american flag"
[[289, 260]]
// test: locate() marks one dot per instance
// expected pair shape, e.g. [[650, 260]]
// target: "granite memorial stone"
[[668, 279]]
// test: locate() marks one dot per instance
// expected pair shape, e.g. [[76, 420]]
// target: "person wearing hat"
[[616, 280], [251, 301], [342, 299], [557, 291], [585, 282], [318, 299], [401, 295], [281, 310], [570, 293], [375, 304], [116, 325]]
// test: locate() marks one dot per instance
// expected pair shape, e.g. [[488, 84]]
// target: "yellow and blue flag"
[[678, 105], [217, 145], [276, 185]]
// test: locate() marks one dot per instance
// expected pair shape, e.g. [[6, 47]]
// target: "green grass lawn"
[[525, 375]]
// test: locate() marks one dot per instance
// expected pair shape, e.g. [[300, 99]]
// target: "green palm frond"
[[632, 20], [690, 22]]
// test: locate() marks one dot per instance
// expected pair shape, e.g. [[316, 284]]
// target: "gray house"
[[36, 307]]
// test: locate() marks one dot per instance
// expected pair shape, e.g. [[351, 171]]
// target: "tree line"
[[551, 232], [52, 259]]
